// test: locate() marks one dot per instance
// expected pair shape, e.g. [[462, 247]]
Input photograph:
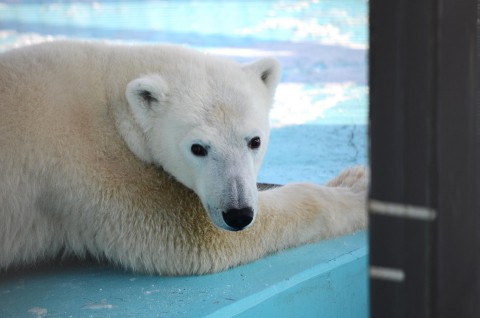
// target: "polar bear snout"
[[238, 219]]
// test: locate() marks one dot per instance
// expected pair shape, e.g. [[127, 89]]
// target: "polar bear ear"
[[146, 94], [268, 70]]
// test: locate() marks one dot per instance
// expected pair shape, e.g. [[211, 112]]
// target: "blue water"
[[321, 104], [184, 21]]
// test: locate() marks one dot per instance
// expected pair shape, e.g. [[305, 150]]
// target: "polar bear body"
[[147, 156]]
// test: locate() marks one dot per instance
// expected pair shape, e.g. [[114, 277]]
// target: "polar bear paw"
[[355, 178]]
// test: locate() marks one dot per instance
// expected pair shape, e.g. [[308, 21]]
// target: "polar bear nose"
[[238, 219]]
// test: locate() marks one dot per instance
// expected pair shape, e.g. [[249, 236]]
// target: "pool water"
[[320, 113]]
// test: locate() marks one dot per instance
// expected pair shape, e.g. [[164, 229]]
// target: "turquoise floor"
[[326, 279]]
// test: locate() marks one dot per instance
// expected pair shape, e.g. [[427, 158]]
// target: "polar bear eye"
[[199, 150], [254, 143]]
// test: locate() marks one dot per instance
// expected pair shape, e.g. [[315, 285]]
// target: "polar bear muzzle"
[[238, 219]]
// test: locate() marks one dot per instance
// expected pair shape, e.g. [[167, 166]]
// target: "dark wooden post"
[[425, 161]]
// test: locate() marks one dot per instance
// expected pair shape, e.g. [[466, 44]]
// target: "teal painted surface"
[[326, 279], [338, 292]]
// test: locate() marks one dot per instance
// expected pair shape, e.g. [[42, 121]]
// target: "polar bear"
[[147, 157]]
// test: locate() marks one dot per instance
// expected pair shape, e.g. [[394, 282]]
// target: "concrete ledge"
[[326, 279]]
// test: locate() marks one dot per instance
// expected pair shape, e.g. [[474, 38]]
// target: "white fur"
[[93, 138]]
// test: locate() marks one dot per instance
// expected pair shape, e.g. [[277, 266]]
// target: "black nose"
[[238, 219]]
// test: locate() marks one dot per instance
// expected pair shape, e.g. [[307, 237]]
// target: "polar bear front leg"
[[186, 242], [306, 212]]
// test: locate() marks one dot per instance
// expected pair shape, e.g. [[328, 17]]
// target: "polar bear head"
[[206, 123]]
